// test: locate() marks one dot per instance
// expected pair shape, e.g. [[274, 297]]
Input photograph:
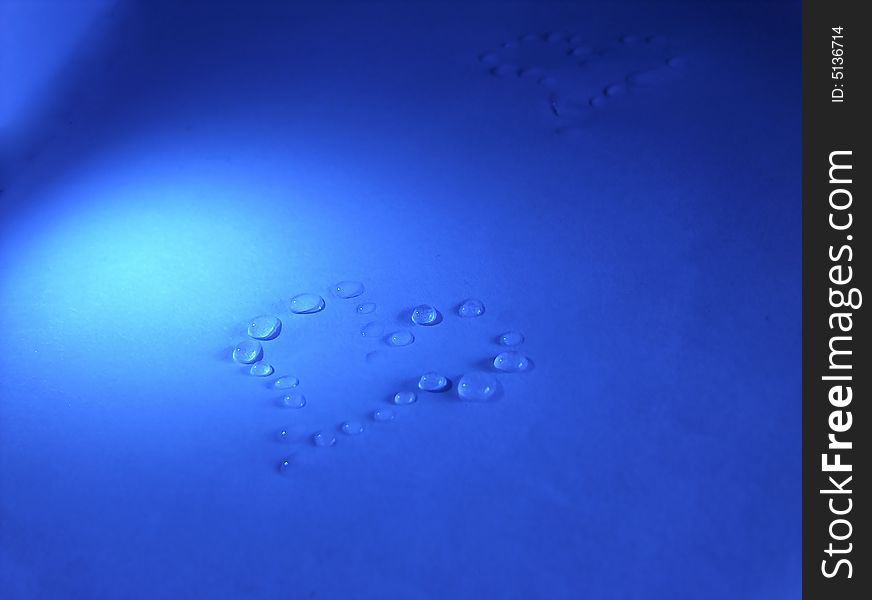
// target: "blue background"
[[171, 169]]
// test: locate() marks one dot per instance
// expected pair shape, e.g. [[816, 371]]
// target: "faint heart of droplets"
[[474, 386], [558, 61]]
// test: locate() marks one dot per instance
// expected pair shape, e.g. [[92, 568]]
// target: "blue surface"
[[172, 169]]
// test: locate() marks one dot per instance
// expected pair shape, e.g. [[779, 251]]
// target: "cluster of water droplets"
[[580, 74], [477, 386]]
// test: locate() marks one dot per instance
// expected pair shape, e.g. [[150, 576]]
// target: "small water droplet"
[[286, 382], [383, 415], [424, 314], [581, 51], [348, 289], [264, 327], [489, 58], [352, 428], [511, 361], [405, 397], [306, 304], [261, 369], [615, 89], [372, 329], [599, 101], [323, 439], [365, 308], [477, 386], [505, 71], [431, 381], [403, 337], [295, 400], [471, 308], [247, 352], [285, 465], [512, 338], [283, 435]]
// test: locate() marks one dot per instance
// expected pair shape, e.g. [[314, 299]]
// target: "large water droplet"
[[323, 439], [295, 400], [352, 428], [511, 361], [365, 308], [477, 385], [372, 329], [264, 327], [471, 308], [247, 352], [306, 304], [512, 338], [424, 314], [402, 337], [432, 381], [286, 382], [383, 415], [405, 398], [348, 289], [261, 369]]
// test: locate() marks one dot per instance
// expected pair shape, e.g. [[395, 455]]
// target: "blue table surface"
[[617, 181]]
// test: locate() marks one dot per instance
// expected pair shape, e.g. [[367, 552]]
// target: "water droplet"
[[402, 337], [489, 58], [261, 369], [581, 51], [283, 435], [599, 101], [424, 314], [505, 71], [264, 327], [431, 381], [677, 62], [377, 358], [352, 428], [405, 397], [366, 308], [247, 352], [615, 89], [323, 439], [296, 400], [383, 415], [511, 361], [286, 382], [284, 465], [306, 304], [477, 386], [471, 308], [348, 289], [372, 329], [512, 338]]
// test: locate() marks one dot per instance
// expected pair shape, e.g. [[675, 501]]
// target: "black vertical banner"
[[837, 370]]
